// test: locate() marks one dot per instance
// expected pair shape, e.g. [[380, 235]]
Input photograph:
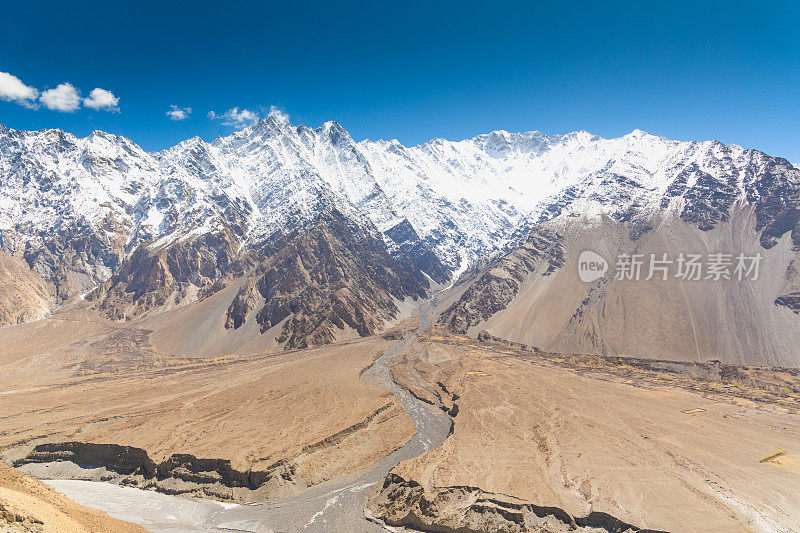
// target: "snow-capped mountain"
[[77, 209], [464, 198]]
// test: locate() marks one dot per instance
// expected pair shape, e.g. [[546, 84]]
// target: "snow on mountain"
[[465, 199]]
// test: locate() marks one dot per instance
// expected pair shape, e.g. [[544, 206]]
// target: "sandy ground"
[[74, 379], [658, 457], [336, 505], [28, 505], [340, 505], [653, 451]]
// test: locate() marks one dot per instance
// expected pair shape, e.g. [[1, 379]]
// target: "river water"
[[337, 505]]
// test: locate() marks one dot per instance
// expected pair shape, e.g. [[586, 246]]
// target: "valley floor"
[[538, 431], [536, 440], [30, 506], [297, 418]]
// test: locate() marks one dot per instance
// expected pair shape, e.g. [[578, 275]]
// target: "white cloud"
[[246, 117], [64, 98], [101, 99], [13, 90], [279, 115], [235, 117], [179, 113]]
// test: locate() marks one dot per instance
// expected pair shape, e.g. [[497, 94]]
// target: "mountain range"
[[282, 236]]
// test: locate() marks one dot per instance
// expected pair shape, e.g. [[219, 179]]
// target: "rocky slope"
[[158, 231], [403, 503], [735, 203], [160, 277], [180, 473], [332, 276], [23, 294], [500, 283]]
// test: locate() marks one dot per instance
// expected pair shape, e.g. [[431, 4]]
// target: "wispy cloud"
[[13, 90], [279, 114], [101, 99], [179, 113], [245, 117], [64, 98], [235, 117]]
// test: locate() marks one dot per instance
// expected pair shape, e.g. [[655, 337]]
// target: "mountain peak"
[[101, 134], [335, 132], [464, 198], [267, 124], [641, 134], [332, 125]]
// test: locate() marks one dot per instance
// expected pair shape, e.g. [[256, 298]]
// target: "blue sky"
[[408, 70]]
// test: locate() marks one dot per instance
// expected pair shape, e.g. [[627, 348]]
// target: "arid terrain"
[[286, 329], [295, 418], [29, 506], [23, 294], [538, 440], [541, 437]]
